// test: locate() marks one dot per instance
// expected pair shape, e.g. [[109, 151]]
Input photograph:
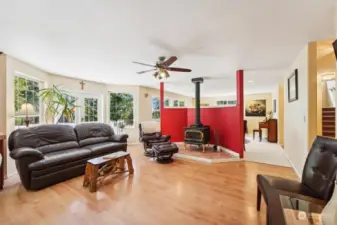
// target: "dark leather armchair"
[[148, 139], [318, 176]]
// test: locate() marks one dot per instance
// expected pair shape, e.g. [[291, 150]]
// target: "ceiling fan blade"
[[178, 69], [145, 71], [144, 64], [169, 61]]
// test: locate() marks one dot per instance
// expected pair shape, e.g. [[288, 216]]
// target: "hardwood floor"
[[182, 192]]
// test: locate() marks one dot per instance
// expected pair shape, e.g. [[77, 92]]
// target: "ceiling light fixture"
[[162, 73]]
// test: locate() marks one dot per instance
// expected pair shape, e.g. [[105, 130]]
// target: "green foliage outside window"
[[26, 91], [155, 108], [121, 109], [167, 102]]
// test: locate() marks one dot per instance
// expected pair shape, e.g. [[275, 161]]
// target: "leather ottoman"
[[164, 151]]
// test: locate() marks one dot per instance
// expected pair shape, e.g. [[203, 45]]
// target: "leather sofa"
[[48, 154], [317, 182]]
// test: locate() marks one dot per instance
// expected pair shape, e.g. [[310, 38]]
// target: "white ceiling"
[[97, 39]]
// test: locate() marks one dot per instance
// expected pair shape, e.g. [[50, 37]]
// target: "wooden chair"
[[260, 133]]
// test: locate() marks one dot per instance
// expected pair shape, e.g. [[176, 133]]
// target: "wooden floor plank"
[[182, 192]]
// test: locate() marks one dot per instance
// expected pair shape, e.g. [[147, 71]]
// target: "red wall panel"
[[224, 125], [173, 122]]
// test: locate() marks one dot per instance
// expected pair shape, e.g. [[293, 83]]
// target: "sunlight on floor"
[[265, 152]]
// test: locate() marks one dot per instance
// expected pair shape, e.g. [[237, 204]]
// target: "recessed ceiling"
[[97, 39]]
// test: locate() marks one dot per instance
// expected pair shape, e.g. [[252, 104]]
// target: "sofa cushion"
[[45, 138], [106, 147], [92, 133], [60, 157]]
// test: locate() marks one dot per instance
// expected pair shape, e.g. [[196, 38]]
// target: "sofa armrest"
[[119, 138], [26, 152]]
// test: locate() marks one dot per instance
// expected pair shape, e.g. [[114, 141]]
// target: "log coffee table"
[[99, 168]]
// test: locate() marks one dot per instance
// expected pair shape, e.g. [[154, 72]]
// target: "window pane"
[[90, 110], [69, 117], [20, 121], [181, 104], [121, 109], [155, 108], [175, 103], [26, 91], [167, 102]]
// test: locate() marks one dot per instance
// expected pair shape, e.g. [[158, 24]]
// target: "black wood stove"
[[197, 134]]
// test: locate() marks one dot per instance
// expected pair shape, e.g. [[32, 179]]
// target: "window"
[[90, 109], [233, 102], [167, 102], [155, 108], [225, 102], [121, 109], [26, 101], [181, 103], [175, 103], [65, 118]]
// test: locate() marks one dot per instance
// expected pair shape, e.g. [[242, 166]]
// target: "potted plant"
[[58, 103]]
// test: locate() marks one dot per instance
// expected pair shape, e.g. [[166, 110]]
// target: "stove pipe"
[[197, 82]]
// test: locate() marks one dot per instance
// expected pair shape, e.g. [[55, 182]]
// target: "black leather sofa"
[[48, 154]]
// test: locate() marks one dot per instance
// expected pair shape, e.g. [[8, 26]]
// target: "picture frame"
[[274, 105], [256, 107], [293, 86]]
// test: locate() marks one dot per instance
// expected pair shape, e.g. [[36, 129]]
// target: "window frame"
[[40, 114], [152, 110], [133, 108]]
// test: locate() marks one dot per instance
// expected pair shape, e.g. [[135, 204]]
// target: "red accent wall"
[[174, 123], [223, 123], [226, 122]]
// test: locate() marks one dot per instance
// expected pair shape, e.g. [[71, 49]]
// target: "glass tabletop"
[[298, 211]]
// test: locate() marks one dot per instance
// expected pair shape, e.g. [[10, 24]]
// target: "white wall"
[[297, 115], [274, 96], [145, 108]]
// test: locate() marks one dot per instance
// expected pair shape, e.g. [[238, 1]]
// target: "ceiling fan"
[[162, 67]]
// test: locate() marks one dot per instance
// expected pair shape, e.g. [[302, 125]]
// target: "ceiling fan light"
[[155, 75]]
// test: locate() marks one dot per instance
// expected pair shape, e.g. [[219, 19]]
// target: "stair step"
[[328, 109]]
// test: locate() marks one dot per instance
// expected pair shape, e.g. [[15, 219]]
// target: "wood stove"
[[197, 134]]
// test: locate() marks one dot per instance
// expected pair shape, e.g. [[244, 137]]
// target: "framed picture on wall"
[[293, 86], [255, 107], [274, 105]]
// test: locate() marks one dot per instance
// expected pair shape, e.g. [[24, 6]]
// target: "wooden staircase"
[[328, 122]]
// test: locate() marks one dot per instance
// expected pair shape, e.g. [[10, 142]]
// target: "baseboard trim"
[[230, 151]]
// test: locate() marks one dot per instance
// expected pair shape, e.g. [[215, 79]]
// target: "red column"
[[239, 106], [161, 103]]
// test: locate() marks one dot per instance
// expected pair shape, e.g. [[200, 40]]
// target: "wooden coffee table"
[[99, 168]]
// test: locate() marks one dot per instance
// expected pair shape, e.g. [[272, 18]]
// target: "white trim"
[[229, 151], [292, 165], [25, 76]]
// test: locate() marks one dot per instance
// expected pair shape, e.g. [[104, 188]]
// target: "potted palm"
[[59, 104]]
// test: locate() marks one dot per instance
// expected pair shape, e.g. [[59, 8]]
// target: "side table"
[[2, 159]]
